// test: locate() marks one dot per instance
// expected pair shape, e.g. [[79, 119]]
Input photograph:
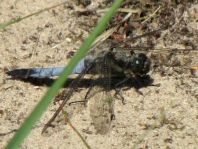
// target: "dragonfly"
[[108, 62], [105, 64]]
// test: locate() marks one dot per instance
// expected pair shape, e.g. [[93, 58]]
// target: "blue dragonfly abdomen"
[[45, 72]]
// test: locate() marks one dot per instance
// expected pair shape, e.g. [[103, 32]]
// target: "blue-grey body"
[[45, 72], [121, 63]]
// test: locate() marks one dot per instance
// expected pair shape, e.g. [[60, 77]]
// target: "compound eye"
[[140, 64]]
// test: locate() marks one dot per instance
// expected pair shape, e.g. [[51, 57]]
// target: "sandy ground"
[[167, 116]]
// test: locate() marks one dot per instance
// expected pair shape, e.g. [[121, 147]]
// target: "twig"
[[152, 15], [74, 129], [18, 19]]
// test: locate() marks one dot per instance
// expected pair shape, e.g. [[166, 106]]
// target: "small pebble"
[[194, 71]]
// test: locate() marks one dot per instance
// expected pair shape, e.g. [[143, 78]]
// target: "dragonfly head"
[[140, 64]]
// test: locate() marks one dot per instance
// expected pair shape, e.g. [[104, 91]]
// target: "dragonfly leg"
[[112, 116], [121, 82], [143, 82], [118, 90], [137, 85], [139, 82], [86, 97]]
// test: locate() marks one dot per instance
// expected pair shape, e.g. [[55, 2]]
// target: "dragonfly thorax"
[[119, 62]]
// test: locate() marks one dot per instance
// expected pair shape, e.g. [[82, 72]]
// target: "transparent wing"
[[101, 103], [101, 110]]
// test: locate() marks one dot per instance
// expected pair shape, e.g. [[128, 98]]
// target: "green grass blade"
[[18, 19], [26, 127]]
